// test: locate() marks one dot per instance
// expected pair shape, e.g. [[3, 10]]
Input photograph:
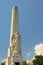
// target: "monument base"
[[17, 59]]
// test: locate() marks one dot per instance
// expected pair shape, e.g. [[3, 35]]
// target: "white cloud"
[[33, 58], [3, 60], [39, 49], [28, 54]]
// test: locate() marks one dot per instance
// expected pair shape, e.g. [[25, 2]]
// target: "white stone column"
[[14, 22]]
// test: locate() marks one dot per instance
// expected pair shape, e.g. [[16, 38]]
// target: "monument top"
[[15, 7], [14, 22]]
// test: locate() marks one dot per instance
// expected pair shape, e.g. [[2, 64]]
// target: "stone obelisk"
[[14, 22], [14, 50]]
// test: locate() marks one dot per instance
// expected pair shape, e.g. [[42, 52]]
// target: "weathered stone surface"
[[14, 51]]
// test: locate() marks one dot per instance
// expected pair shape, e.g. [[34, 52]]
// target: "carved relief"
[[16, 40]]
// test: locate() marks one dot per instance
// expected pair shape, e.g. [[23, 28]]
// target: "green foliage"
[[3, 63], [38, 60], [24, 62]]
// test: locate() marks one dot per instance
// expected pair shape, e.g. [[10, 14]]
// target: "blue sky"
[[30, 25]]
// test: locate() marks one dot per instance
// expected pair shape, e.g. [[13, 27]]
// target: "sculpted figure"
[[16, 39]]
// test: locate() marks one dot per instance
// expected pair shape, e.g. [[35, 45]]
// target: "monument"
[[14, 50]]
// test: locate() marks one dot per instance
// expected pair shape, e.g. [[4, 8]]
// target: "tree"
[[38, 60], [24, 62], [3, 63]]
